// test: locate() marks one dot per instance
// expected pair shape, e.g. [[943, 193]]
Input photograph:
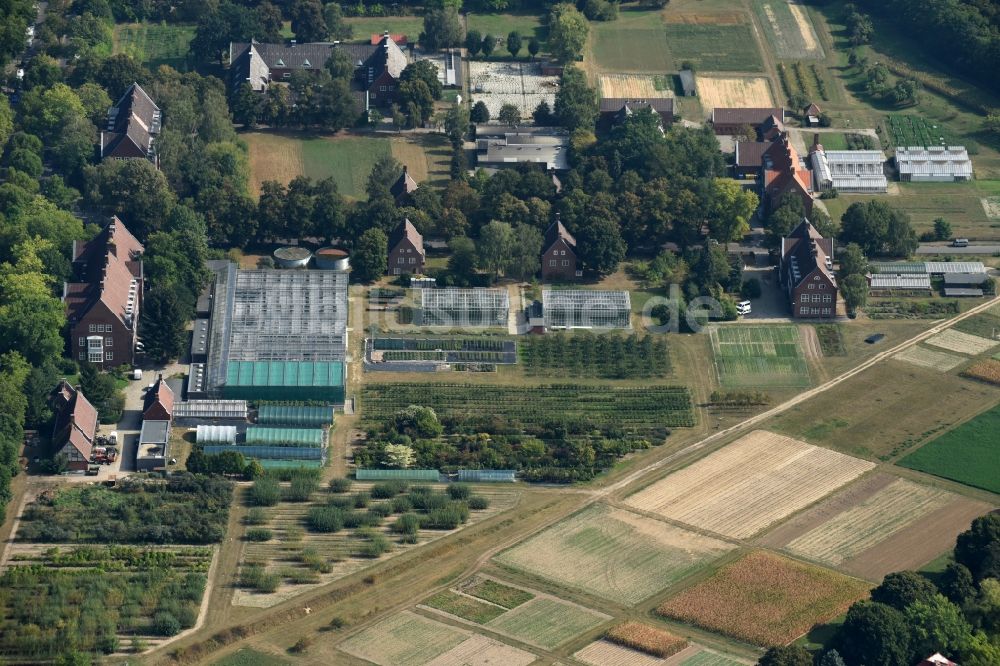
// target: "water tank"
[[292, 257], [333, 259]]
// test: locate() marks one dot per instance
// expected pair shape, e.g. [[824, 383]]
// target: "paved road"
[[947, 249]]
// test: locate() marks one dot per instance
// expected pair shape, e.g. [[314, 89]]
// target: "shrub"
[[337, 622], [388, 489], [302, 487], [311, 558], [478, 503], [256, 516], [375, 546], [165, 624], [325, 519], [408, 523], [751, 288], [446, 518], [381, 509], [401, 504], [341, 502], [301, 645], [355, 519], [259, 534], [459, 491], [340, 485], [265, 491], [429, 502], [361, 500]]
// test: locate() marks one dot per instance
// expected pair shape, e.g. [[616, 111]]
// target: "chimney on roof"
[[293, 43], [404, 169]]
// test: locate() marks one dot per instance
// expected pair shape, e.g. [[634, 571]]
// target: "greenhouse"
[[290, 464], [295, 415], [461, 308], [487, 475], [209, 410], [271, 452], [285, 380], [286, 437], [431, 475], [214, 434], [586, 308]]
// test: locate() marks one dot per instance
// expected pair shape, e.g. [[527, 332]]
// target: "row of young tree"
[[912, 615]]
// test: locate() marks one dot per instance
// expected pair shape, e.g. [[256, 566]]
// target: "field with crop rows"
[[709, 658], [764, 599], [963, 343], [635, 86], [546, 622], [929, 358], [154, 44], [613, 554], [985, 324], [904, 130], [985, 371], [304, 557], [644, 411], [787, 29], [405, 639], [969, 454], [734, 91], [714, 47], [633, 43], [605, 653], [608, 356], [749, 485], [645, 638], [767, 356]]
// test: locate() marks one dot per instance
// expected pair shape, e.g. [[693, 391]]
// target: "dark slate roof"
[[556, 231], [745, 116], [403, 185], [751, 153], [662, 105], [809, 249], [387, 57], [405, 229], [132, 124], [311, 55]]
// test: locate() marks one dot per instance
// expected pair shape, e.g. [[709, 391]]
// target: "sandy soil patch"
[[750, 484], [632, 86], [805, 26], [963, 343], [991, 206], [929, 358], [720, 92], [482, 651]]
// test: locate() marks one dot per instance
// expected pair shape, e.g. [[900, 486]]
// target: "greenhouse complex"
[[464, 308], [585, 308]]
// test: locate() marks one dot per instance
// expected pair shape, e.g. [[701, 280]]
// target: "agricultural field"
[[155, 44], [366, 26], [250, 657], [929, 358], [987, 370], [831, 339], [963, 343], [764, 599], [103, 599], [851, 417], [444, 350], [546, 622], [315, 542], [607, 356], [633, 43], [904, 130], [613, 554], [788, 30], [969, 454], [528, 25], [605, 653], [985, 324], [877, 525], [749, 484], [647, 639], [799, 78], [635, 86], [729, 47], [718, 91], [759, 356]]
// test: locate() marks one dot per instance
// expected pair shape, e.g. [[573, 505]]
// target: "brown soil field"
[[713, 18], [631, 86], [765, 600], [717, 91], [749, 485], [645, 638]]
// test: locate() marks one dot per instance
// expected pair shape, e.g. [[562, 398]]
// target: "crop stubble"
[[963, 343], [929, 358]]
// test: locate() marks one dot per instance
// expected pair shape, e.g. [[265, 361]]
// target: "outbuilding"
[[154, 442]]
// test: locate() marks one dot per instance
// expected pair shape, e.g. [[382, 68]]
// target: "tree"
[[542, 115], [442, 29], [46, 110], [462, 262], [456, 125], [247, 105], [399, 456], [878, 228], [525, 252], [789, 655], [489, 45], [6, 121], [902, 588], [509, 115], [473, 42], [99, 388], [95, 102], [599, 244], [384, 173], [426, 71], [338, 28], [906, 91], [480, 112], [135, 191], [936, 625], [873, 634], [732, 208], [370, 258], [43, 70], [534, 46], [308, 22], [417, 422], [855, 292], [978, 548], [495, 248], [852, 261], [568, 31], [31, 317], [956, 583], [942, 229], [576, 101], [514, 43], [162, 325], [120, 71], [831, 658]]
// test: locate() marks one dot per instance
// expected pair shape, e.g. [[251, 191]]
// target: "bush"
[[361, 500], [341, 502], [459, 491], [361, 519], [751, 288], [259, 534], [325, 519], [381, 509], [478, 503], [256, 516], [429, 501], [265, 491], [301, 645], [401, 504], [311, 558], [302, 487], [388, 489], [446, 518], [408, 523], [165, 624], [376, 545], [340, 485]]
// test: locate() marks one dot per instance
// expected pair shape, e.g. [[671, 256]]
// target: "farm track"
[[288, 620]]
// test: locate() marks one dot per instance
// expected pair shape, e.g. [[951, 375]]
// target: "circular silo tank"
[[333, 259], [292, 257]]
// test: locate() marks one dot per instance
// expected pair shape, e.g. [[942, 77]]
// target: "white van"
[[743, 308]]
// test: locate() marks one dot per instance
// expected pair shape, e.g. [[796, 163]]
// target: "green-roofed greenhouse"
[[398, 475], [322, 381], [293, 437], [294, 415]]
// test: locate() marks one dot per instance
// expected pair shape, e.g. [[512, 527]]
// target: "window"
[[552, 262], [381, 88], [92, 328], [286, 75], [109, 356], [83, 342], [95, 357], [812, 286], [822, 286], [109, 341], [401, 260], [565, 262], [106, 328], [827, 298], [826, 311], [83, 356], [413, 260]]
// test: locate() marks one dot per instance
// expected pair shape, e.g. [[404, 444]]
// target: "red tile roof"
[[108, 263], [408, 231], [76, 419], [161, 394]]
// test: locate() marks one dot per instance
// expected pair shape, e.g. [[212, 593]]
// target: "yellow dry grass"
[[272, 157], [482, 651], [963, 343], [804, 25], [606, 653], [411, 154], [645, 638], [631, 86], [739, 91], [929, 358]]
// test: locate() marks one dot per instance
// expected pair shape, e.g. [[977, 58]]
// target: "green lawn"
[[155, 44], [713, 48], [969, 454], [365, 26], [833, 141], [348, 161], [248, 657], [464, 607], [546, 622], [752, 356], [634, 43], [529, 25]]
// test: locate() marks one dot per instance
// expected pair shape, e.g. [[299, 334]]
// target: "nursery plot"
[[517, 83], [765, 600], [546, 622], [929, 358], [750, 484], [788, 29], [482, 651], [969, 454], [734, 91], [985, 371], [963, 343], [613, 554], [754, 356], [635, 86], [709, 658], [405, 639]]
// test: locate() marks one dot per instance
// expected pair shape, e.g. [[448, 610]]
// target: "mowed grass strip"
[[464, 607], [499, 594], [404, 638], [154, 44], [547, 623], [500, 25], [765, 599], [709, 658], [613, 554], [969, 454], [788, 29], [713, 48], [767, 356]]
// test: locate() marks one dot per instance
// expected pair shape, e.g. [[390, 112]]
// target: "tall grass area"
[[155, 44]]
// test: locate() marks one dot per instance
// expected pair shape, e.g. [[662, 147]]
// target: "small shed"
[[962, 292], [487, 475], [687, 83], [154, 441]]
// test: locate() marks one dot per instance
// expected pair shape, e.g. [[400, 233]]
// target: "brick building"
[[406, 250], [784, 172], [158, 403], [133, 125], [732, 120], [75, 426], [559, 254], [806, 272]]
